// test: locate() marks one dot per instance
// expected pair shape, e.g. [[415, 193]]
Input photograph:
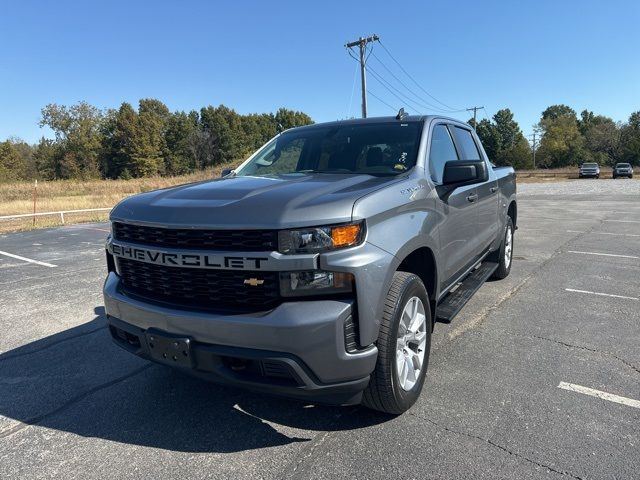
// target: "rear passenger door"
[[457, 227], [487, 202]]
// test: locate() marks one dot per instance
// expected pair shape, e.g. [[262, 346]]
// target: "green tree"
[[556, 111], [179, 158], [77, 130], [630, 139], [489, 137], [562, 143], [12, 166], [119, 133], [602, 139], [149, 146], [503, 140], [507, 128], [286, 119], [225, 126]]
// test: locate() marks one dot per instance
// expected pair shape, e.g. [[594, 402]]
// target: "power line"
[[390, 88], [381, 101], [413, 80], [431, 106], [353, 89]]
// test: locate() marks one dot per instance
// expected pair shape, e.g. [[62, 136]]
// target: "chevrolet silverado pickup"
[[317, 268]]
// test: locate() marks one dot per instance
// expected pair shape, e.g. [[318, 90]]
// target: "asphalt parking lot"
[[537, 377]]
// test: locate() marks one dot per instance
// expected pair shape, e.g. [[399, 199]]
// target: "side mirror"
[[458, 173], [225, 172]]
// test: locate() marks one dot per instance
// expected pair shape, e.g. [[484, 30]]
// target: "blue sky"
[[258, 56]]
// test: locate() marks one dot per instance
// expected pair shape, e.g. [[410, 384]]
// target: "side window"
[[442, 151], [466, 143]]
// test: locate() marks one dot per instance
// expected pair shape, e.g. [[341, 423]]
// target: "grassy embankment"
[[17, 198]]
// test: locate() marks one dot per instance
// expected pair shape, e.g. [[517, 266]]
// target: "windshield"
[[590, 165], [623, 165], [376, 149]]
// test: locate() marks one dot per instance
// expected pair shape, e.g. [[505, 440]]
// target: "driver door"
[[458, 208]]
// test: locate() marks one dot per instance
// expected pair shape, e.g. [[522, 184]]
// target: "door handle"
[[472, 197], [493, 189]]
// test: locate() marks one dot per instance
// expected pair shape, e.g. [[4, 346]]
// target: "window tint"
[[466, 144], [286, 161], [346, 148], [442, 151]]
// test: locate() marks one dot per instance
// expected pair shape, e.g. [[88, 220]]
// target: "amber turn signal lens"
[[345, 235]]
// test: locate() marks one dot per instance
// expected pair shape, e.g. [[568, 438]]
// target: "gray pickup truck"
[[316, 269]]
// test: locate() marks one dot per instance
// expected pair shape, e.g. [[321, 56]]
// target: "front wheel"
[[404, 342], [505, 253]]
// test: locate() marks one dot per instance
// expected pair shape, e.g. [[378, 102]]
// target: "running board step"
[[450, 305]]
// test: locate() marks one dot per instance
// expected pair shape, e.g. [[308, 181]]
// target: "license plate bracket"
[[169, 349]]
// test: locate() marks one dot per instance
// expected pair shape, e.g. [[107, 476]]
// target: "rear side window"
[[442, 151], [466, 144]]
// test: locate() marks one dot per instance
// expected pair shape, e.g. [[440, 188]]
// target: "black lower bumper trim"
[[265, 371]]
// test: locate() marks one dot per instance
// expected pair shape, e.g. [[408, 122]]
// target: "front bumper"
[[304, 338]]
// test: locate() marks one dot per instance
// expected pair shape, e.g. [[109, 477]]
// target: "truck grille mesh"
[[199, 288], [226, 240]]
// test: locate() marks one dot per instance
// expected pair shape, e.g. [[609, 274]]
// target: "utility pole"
[[362, 44], [534, 148], [475, 112]]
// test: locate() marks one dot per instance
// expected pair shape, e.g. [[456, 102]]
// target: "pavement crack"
[[593, 350], [69, 403], [496, 445], [295, 468]]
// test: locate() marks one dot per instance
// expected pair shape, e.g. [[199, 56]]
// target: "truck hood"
[[272, 202]]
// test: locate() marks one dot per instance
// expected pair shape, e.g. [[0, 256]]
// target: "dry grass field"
[[17, 198]]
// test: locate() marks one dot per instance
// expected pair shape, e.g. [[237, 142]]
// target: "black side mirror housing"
[[225, 172], [458, 173]]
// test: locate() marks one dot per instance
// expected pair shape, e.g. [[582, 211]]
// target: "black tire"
[[384, 392], [597, 176], [504, 266]]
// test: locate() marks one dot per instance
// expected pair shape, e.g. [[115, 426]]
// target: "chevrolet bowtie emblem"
[[254, 282]]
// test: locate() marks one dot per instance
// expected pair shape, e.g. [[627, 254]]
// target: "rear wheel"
[[505, 253], [403, 345]]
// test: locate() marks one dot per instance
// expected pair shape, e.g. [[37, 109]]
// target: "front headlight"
[[320, 239], [314, 282]]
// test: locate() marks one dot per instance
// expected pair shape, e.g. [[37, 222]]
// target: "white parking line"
[[623, 221], [24, 259], [603, 254], [599, 394], [606, 233], [600, 294]]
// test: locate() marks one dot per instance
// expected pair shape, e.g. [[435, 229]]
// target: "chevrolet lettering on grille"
[[191, 259]]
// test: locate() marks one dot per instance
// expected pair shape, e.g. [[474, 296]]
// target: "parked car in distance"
[[589, 170], [623, 170]]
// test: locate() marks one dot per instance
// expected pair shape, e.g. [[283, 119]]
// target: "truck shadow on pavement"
[[77, 381]]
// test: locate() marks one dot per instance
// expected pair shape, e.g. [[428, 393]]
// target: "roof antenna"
[[401, 114]]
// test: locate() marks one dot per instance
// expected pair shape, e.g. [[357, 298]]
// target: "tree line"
[[564, 139], [151, 140], [127, 143]]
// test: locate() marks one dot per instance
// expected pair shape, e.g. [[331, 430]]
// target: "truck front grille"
[[205, 289], [226, 240]]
